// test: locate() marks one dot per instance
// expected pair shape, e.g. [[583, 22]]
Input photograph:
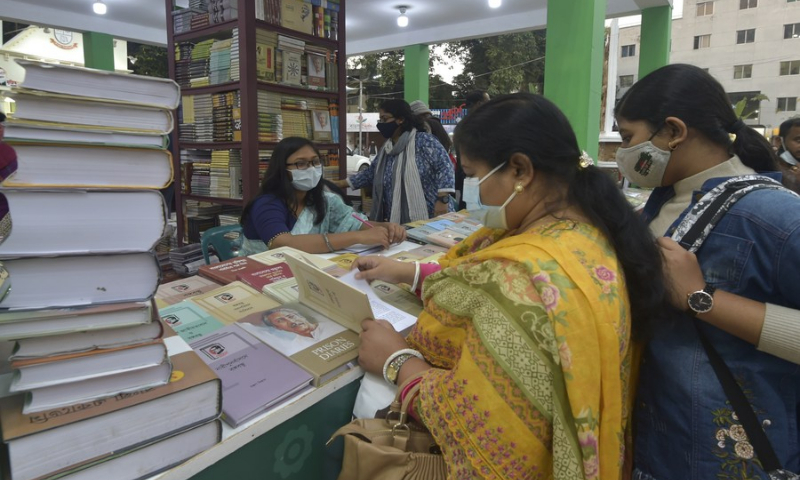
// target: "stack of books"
[[89, 362], [222, 10], [445, 230]]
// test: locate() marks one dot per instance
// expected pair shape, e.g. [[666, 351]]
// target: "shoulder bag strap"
[[703, 217]]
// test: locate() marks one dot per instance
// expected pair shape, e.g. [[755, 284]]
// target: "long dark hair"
[[400, 109], [277, 181], [691, 94], [534, 126]]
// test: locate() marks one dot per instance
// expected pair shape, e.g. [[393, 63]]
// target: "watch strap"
[[394, 356]]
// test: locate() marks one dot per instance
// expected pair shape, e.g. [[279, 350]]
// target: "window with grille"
[[787, 104], [742, 71], [705, 8], [791, 30], [628, 51], [746, 36], [702, 41], [625, 81], [790, 68]]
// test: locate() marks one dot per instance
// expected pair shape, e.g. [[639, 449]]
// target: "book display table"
[[287, 442]]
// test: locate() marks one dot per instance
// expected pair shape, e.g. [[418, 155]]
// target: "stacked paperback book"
[[93, 382]]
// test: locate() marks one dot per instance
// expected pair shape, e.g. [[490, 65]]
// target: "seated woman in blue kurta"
[[294, 208]]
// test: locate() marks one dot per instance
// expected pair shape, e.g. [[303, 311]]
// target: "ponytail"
[[754, 150]]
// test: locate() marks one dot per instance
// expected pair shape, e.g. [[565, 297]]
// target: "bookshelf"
[[238, 99]]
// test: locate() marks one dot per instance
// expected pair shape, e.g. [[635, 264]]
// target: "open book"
[[345, 300]]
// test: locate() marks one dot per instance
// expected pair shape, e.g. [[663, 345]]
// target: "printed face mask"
[[643, 164], [490, 216], [306, 179]]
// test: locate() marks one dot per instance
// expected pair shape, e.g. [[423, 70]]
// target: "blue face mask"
[[490, 216]]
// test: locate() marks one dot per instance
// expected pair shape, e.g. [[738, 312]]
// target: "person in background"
[[789, 152], [475, 99], [677, 122], [412, 176], [8, 165], [436, 128], [525, 349], [295, 209]]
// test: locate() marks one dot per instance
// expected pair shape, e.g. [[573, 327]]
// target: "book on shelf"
[[79, 166], [178, 290], [189, 320], [321, 121], [316, 70], [292, 67], [100, 84], [90, 432], [248, 388], [83, 114], [69, 222], [152, 457], [226, 271], [64, 321], [85, 341], [72, 281], [265, 62], [297, 15]]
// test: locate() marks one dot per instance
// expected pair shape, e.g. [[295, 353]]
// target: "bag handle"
[[706, 214]]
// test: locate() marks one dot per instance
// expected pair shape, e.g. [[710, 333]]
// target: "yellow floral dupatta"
[[530, 336]]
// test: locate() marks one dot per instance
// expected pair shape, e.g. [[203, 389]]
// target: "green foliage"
[[741, 107], [150, 60], [502, 64]]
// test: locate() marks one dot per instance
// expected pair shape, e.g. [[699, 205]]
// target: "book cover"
[[321, 346], [297, 15], [225, 272], [233, 302], [178, 290], [321, 122], [316, 70], [284, 291], [278, 255], [266, 275], [265, 62], [292, 68], [446, 238], [238, 359], [189, 321]]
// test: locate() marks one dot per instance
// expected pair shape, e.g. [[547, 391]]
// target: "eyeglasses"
[[386, 119], [304, 164]]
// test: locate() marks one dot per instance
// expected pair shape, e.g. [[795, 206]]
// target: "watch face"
[[701, 302]]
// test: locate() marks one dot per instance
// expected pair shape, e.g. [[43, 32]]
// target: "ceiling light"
[[402, 20], [99, 7], [495, 3]]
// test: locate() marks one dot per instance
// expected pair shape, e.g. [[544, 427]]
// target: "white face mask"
[[490, 216], [306, 179], [644, 164]]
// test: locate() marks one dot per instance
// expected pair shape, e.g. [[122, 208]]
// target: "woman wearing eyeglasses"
[[295, 209]]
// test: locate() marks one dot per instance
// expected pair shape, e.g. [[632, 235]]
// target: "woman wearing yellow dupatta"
[[524, 350]]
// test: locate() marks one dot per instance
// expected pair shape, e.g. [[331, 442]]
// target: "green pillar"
[[655, 39], [417, 65], [98, 51], [573, 73]]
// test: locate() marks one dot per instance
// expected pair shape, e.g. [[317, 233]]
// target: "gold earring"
[[519, 188]]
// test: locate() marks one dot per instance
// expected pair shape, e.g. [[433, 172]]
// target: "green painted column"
[[98, 51], [416, 83], [573, 74], [655, 39]]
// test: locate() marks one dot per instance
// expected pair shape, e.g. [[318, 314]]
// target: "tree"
[[148, 60]]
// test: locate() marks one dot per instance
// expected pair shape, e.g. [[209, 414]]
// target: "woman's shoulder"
[[268, 201], [777, 210]]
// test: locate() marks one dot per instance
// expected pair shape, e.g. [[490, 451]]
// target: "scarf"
[[407, 196]]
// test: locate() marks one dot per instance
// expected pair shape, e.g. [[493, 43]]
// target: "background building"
[[751, 46]]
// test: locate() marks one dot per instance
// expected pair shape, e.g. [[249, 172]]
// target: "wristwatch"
[[445, 199], [395, 365], [702, 301]]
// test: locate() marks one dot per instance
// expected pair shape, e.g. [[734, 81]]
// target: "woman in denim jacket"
[[677, 127]]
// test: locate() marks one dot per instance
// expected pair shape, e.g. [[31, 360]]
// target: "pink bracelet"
[[425, 269], [404, 392]]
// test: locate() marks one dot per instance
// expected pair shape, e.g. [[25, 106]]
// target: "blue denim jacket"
[[685, 427]]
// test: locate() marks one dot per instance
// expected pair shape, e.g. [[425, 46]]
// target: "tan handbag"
[[391, 448]]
